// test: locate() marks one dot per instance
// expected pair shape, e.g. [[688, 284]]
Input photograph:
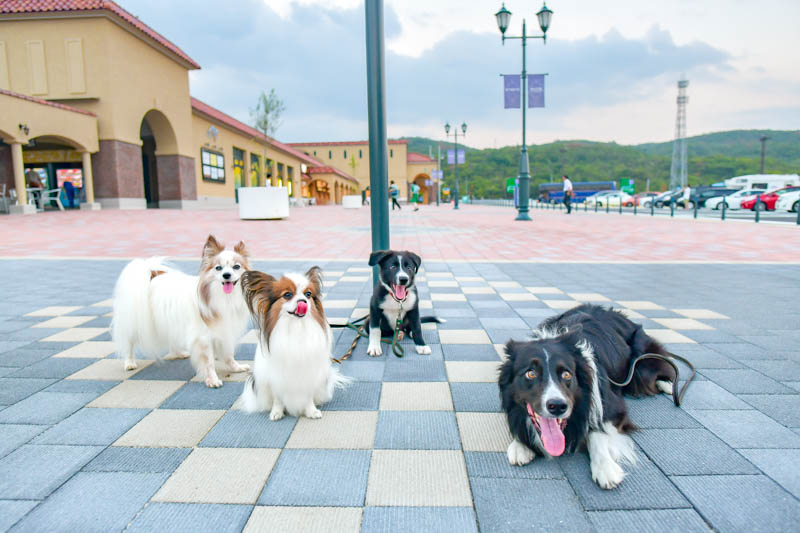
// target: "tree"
[[353, 164], [266, 116]]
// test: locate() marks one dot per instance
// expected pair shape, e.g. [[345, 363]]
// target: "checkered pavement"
[[414, 444]]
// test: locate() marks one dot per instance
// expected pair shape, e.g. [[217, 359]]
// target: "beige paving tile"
[[420, 277], [483, 432], [478, 290], [171, 428], [701, 313], [339, 304], [561, 304], [544, 290], [518, 297], [89, 349], [341, 430], [418, 478], [630, 313], [463, 336], [425, 304], [332, 273], [588, 297], [469, 278], [682, 323], [105, 303], [64, 322], [412, 396], [429, 326], [138, 394], [53, 310], [442, 283], [669, 336], [109, 370], [360, 269], [329, 282], [110, 314], [639, 305], [472, 371], [439, 274], [353, 279], [219, 475], [75, 335], [337, 320], [358, 312], [504, 284], [448, 297], [304, 519], [501, 350]]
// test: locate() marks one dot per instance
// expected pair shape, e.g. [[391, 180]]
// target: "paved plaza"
[[414, 444]]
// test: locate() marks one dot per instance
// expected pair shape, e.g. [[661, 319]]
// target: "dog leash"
[[677, 396], [358, 326]]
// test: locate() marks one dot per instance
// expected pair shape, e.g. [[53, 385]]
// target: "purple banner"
[[535, 90], [451, 160], [511, 90]]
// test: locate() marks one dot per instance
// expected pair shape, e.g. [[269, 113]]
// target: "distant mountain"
[[422, 145], [782, 145]]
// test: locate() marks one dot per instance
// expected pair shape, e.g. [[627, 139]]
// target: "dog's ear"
[[417, 260], [257, 288], [377, 257], [507, 368], [211, 249], [511, 349], [574, 331], [314, 275], [241, 250]]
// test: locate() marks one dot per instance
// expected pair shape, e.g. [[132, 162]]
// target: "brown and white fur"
[[292, 371], [160, 310]]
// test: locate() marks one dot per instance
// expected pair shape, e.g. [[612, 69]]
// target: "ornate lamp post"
[[455, 154], [503, 19]]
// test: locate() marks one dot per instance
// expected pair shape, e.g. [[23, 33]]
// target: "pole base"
[[523, 216], [26, 209]]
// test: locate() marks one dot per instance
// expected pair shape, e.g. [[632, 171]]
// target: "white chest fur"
[[392, 308]]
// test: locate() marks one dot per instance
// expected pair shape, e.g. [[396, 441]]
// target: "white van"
[[763, 181]]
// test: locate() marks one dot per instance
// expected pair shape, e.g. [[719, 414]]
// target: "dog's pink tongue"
[[227, 287], [400, 292], [552, 436], [302, 308]]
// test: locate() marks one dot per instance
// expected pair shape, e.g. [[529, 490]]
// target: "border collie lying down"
[[556, 393]]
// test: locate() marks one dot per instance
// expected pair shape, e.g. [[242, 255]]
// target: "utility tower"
[[678, 173]]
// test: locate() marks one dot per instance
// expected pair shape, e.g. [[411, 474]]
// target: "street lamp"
[[455, 153], [503, 19]]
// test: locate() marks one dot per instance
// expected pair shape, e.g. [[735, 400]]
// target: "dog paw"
[[213, 382], [607, 474], [519, 454], [424, 350], [131, 365], [239, 367], [313, 413], [664, 386], [374, 351], [276, 414]]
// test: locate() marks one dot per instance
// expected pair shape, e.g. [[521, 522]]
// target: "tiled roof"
[[45, 102], [347, 143], [250, 131], [414, 157], [331, 170], [51, 6]]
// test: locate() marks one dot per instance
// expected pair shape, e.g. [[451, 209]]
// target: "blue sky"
[[612, 66]]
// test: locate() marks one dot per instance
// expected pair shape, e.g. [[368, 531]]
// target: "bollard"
[[695, 208], [585, 206], [595, 206], [798, 212], [635, 203], [757, 208], [672, 207], [620, 206], [652, 206], [607, 205], [724, 205]]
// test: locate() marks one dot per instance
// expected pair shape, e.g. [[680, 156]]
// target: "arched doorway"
[[149, 166], [54, 162], [158, 137], [426, 189], [320, 191]]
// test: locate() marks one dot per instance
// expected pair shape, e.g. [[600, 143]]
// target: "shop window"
[[213, 164], [391, 153], [360, 154], [255, 170], [268, 171], [280, 174], [330, 154], [345, 154], [238, 167]]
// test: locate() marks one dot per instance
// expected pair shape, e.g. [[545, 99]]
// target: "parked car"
[[702, 194], [733, 201], [664, 199], [788, 202], [768, 199], [614, 199], [644, 199], [595, 198]]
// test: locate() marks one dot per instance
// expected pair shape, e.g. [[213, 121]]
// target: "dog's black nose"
[[557, 407], [402, 280], [226, 275]]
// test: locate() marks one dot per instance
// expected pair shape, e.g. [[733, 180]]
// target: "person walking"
[[568, 193], [394, 192], [415, 196]]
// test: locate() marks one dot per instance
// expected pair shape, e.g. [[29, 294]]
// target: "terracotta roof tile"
[[347, 143], [414, 157], [331, 170], [45, 102], [50, 6]]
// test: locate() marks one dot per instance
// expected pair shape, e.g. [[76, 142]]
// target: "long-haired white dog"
[[161, 310], [292, 371]]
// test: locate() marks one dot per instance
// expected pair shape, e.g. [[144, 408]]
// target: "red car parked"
[[768, 199]]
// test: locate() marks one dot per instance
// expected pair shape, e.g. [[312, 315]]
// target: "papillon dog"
[[292, 371], [161, 310]]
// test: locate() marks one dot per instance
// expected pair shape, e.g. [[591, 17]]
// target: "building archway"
[[161, 181], [320, 191], [426, 189], [55, 161]]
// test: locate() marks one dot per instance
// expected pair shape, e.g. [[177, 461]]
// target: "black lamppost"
[[455, 154], [503, 19]]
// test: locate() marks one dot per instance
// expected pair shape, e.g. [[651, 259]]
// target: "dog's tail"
[[254, 400], [435, 319], [132, 321]]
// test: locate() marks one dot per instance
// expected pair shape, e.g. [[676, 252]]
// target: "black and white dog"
[[396, 295], [556, 393]]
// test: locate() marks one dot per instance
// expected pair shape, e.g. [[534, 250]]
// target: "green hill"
[[712, 158]]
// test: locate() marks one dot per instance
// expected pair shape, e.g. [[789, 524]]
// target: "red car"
[[768, 199]]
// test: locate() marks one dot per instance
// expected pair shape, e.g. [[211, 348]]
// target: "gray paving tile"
[[364, 370], [245, 430], [659, 412], [784, 408], [198, 396], [780, 465], [543, 505], [709, 395], [92, 426], [33, 472], [45, 408], [745, 381], [108, 501], [742, 351], [32, 334], [80, 386], [702, 357], [359, 396], [461, 323], [409, 519], [470, 352], [417, 430], [740, 503], [496, 465], [318, 478], [12, 436], [408, 370], [191, 517], [12, 510], [636, 521], [777, 370], [502, 336], [180, 369], [644, 486], [504, 323], [13, 390], [475, 397], [454, 312], [747, 429], [120, 459], [768, 342], [687, 452]]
